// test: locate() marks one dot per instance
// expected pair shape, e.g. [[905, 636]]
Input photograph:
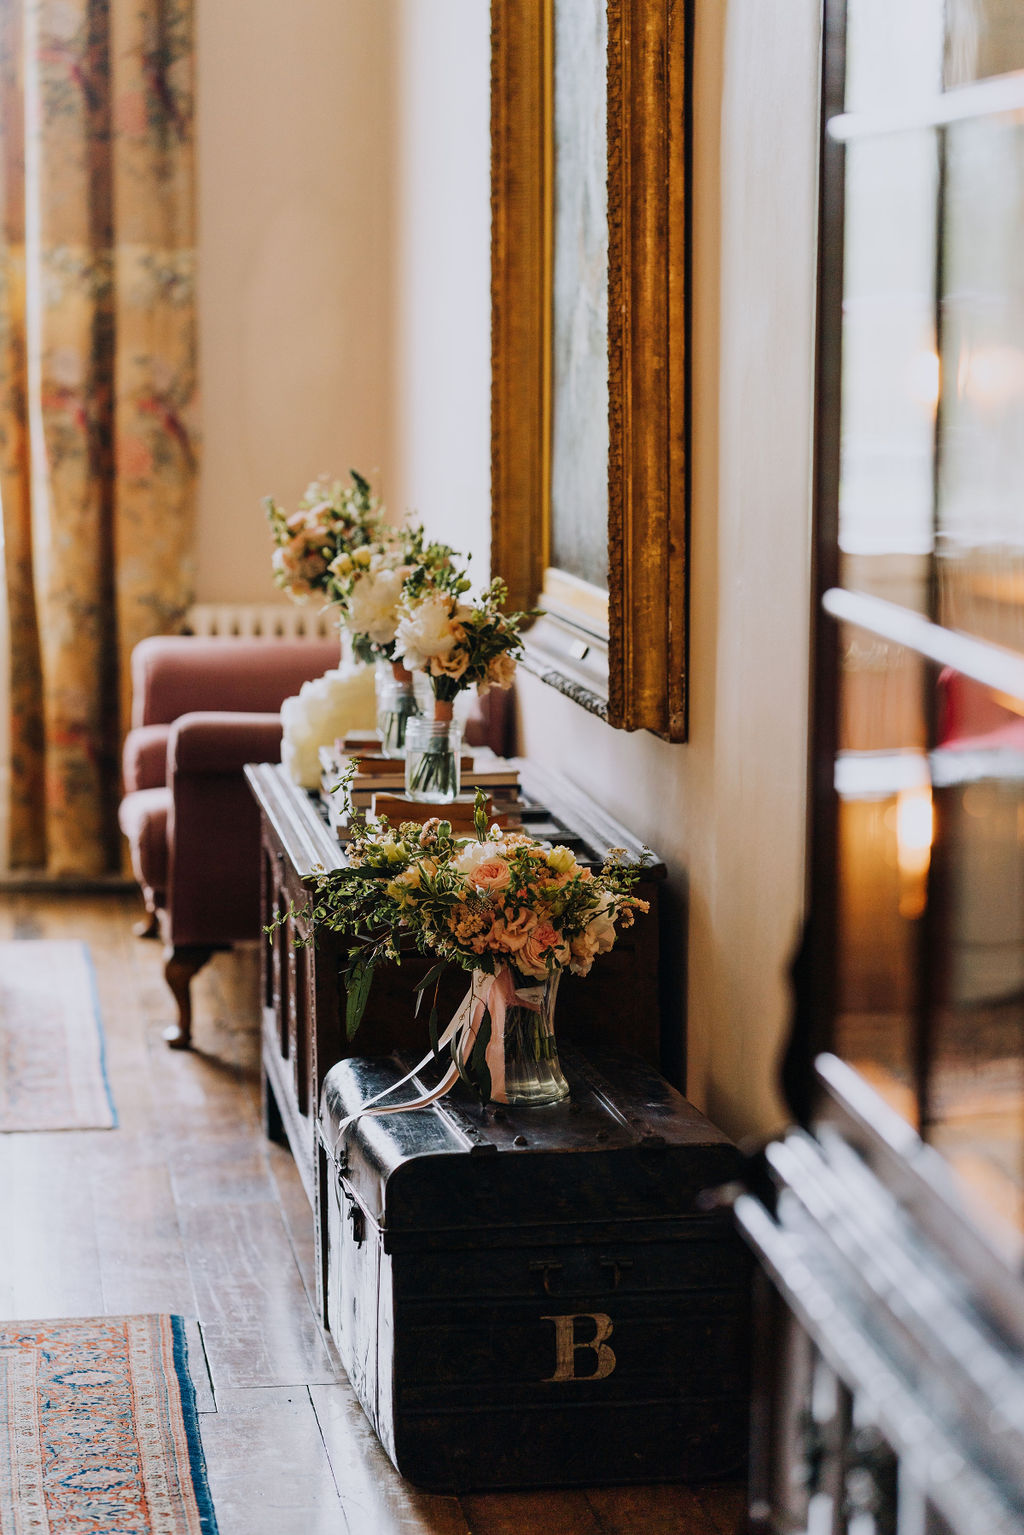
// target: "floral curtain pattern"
[[97, 393]]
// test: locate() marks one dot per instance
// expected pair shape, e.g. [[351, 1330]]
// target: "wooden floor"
[[186, 1208]]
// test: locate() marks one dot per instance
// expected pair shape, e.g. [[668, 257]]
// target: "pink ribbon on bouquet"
[[487, 993]]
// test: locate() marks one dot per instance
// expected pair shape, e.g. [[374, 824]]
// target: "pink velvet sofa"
[[202, 709]]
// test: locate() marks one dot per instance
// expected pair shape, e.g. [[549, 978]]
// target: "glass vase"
[[397, 704], [524, 1010], [433, 759]]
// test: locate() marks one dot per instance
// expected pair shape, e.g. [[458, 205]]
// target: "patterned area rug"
[[98, 1430], [52, 1072]]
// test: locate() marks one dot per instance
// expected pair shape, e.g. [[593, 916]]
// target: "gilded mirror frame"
[[624, 659]]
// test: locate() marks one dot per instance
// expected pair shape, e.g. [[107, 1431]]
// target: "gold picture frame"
[[622, 656]]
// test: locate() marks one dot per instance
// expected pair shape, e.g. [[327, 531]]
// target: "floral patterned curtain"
[[97, 392]]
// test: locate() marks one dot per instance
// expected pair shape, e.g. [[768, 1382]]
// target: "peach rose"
[[493, 874], [455, 662], [501, 672], [543, 942], [511, 935]]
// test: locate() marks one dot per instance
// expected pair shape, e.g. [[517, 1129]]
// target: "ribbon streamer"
[[487, 993]]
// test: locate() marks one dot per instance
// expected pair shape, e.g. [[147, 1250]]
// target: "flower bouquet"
[[457, 644], [513, 911], [330, 519], [369, 585]]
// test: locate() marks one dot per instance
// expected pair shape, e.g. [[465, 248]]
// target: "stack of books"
[[378, 787]]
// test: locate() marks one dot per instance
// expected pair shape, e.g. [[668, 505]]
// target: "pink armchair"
[[201, 709]]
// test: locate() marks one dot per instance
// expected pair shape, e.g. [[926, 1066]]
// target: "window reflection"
[[983, 38], [931, 912], [980, 544]]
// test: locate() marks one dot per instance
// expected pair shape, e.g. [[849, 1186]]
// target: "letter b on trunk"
[[595, 1349]]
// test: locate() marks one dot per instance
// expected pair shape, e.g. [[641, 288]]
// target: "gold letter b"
[[566, 1346]]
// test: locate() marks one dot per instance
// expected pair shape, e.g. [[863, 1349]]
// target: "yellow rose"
[[560, 860]]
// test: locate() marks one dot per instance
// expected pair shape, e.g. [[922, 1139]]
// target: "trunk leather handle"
[[547, 1267]]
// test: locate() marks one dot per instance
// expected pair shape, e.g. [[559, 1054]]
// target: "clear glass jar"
[[433, 759], [532, 1074], [397, 704]]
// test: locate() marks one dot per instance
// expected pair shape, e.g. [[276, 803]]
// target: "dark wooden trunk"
[[535, 1297]]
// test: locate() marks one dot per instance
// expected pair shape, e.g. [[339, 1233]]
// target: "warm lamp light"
[[915, 832]]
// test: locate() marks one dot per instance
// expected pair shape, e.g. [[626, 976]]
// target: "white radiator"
[[251, 620]]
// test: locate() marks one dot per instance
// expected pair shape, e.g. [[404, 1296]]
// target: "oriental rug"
[[98, 1429], [52, 1068]]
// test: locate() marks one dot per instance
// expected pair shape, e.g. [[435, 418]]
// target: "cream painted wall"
[[294, 156], [441, 465]]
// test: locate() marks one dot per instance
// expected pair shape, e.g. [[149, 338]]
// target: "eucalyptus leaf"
[[478, 1061], [433, 974], [358, 980]]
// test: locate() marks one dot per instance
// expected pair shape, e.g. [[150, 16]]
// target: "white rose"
[[476, 853], [425, 632], [596, 938], [601, 927]]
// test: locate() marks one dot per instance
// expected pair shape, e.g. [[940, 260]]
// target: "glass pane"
[[579, 424], [983, 37], [890, 367], [930, 866], [883, 795], [975, 1087], [981, 481], [893, 53]]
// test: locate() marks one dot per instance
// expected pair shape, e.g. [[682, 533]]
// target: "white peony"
[[427, 632], [372, 609], [326, 708]]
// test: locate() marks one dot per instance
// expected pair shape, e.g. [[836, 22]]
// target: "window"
[[917, 931]]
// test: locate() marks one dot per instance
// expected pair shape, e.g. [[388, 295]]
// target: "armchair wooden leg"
[[180, 965], [148, 926]]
